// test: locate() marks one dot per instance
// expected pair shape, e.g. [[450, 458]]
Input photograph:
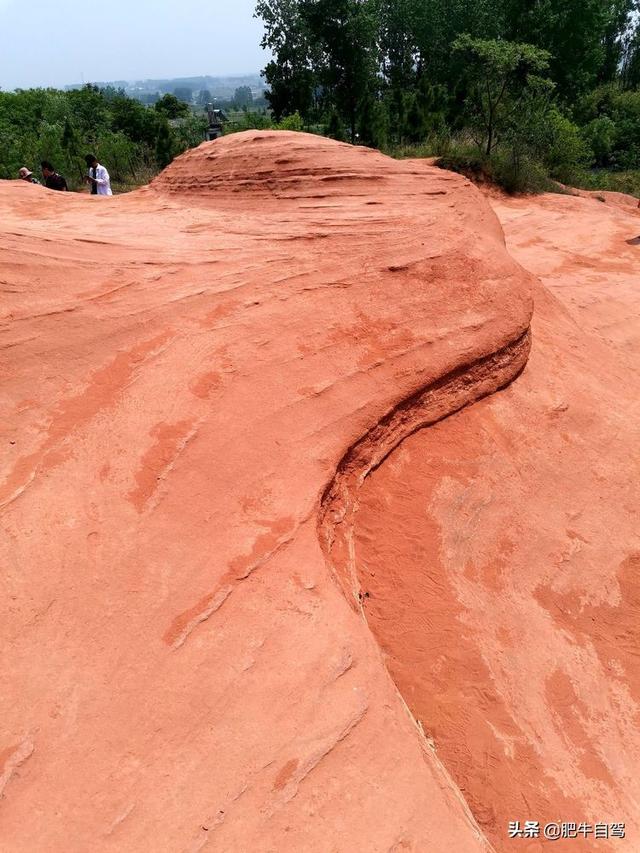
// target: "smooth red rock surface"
[[203, 383]]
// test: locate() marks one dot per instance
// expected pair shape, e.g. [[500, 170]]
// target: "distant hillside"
[[220, 87]]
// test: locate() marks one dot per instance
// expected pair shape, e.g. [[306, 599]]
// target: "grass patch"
[[616, 181], [514, 174]]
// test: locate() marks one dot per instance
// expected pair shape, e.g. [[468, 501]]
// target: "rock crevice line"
[[461, 387], [339, 505]]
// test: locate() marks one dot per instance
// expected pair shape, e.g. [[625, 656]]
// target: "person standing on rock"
[[98, 176], [52, 180]]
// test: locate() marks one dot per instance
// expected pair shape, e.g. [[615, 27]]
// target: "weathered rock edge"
[[452, 392]]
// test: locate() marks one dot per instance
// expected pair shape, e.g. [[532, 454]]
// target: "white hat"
[[25, 173]]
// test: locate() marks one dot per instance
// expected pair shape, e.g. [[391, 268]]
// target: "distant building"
[[216, 121]]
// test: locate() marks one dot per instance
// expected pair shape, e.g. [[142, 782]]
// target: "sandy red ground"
[[300, 552]]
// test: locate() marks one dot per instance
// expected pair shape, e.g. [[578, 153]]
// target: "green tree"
[[565, 152], [291, 74], [136, 121], [164, 146], [89, 109], [585, 38], [345, 32], [171, 107], [373, 122], [335, 128], [397, 43], [435, 25], [191, 131], [630, 65], [600, 135], [70, 142], [293, 122], [426, 110], [501, 78], [243, 97]]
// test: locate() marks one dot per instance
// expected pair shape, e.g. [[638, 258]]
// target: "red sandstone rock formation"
[[499, 550], [207, 386]]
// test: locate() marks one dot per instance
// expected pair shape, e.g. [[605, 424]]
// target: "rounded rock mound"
[[276, 163]]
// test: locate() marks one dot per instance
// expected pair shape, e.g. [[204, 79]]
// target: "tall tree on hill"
[[130, 117], [71, 144], [171, 107], [620, 33], [290, 75], [426, 110], [437, 23], [631, 60], [584, 37], [500, 76], [399, 60], [398, 48], [339, 60], [345, 32], [88, 108]]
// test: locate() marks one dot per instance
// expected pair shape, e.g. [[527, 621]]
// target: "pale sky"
[[54, 42]]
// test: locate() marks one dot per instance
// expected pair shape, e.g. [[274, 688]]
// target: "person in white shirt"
[[98, 177]]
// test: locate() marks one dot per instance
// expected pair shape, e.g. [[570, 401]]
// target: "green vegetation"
[[133, 140], [519, 93]]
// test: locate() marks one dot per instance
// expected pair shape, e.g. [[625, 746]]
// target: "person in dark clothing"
[[52, 180]]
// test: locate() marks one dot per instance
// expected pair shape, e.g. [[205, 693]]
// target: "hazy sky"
[[45, 43]]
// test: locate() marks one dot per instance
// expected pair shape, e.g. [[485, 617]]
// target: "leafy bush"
[[565, 152], [262, 121], [292, 122], [171, 107], [519, 173], [622, 181], [610, 120], [334, 128], [599, 136], [250, 121], [468, 161]]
